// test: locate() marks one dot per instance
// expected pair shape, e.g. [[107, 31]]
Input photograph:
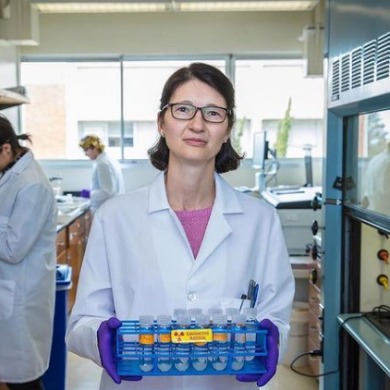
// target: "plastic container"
[[297, 340], [127, 351], [54, 377]]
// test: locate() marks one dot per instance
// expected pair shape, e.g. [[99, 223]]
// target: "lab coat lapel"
[[218, 228], [158, 202], [5, 179], [19, 167]]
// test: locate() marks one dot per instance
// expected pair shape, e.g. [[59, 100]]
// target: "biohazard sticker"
[[191, 336]]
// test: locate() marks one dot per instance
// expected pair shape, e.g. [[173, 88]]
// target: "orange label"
[[146, 339], [220, 336], [165, 338]]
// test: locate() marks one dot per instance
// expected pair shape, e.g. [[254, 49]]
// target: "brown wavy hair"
[[9, 136], [227, 158]]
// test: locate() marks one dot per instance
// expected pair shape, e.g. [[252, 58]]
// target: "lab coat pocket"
[[3, 222], [7, 292], [234, 302]]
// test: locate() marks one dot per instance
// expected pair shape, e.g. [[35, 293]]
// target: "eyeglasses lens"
[[188, 111]]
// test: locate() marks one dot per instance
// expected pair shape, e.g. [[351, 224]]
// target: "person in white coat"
[[107, 179], [28, 217], [187, 240], [377, 183]]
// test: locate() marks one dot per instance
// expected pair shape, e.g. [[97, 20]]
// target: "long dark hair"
[[227, 158], [8, 135]]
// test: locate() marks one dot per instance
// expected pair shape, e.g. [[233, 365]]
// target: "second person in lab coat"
[[28, 219], [107, 179], [187, 240]]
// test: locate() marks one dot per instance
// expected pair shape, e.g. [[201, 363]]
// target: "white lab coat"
[[138, 261], [107, 180], [28, 216], [377, 182]]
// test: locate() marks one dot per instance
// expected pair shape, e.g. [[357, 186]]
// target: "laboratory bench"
[[72, 237], [375, 347]]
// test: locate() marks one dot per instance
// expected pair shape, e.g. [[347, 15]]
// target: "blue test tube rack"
[[128, 353]]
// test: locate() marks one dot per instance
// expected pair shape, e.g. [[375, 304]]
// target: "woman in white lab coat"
[[107, 179], [187, 240], [28, 217]]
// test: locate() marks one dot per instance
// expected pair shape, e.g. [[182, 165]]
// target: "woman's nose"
[[197, 122]]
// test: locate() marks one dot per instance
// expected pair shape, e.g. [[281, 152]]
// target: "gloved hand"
[[272, 358], [85, 193], [106, 345]]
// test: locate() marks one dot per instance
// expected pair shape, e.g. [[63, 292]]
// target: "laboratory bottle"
[[164, 344], [146, 341], [194, 312], [201, 349], [230, 312], [251, 327], [214, 311], [238, 341], [179, 312], [182, 350], [220, 346]]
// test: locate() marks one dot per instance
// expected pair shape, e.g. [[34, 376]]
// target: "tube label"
[[183, 336]]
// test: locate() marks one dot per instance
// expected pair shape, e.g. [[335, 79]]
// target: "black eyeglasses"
[[185, 112]]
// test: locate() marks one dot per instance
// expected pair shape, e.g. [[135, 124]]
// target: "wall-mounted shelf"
[[11, 97]]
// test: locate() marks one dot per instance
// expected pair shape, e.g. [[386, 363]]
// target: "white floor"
[[83, 374]]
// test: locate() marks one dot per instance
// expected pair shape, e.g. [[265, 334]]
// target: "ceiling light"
[[299, 5], [60, 8], [47, 6]]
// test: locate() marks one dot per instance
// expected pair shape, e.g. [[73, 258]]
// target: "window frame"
[[230, 68]]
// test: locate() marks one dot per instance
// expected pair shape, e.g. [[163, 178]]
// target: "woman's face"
[[92, 153], [194, 141], [6, 156]]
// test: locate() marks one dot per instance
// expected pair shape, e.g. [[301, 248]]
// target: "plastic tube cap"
[[164, 320], [231, 311], [202, 320], [250, 312], [220, 320], [145, 321], [179, 312], [239, 319], [194, 312], [183, 320], [215, 311]]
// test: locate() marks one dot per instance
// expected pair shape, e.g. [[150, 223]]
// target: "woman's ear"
[[7, 148], [160, 123]]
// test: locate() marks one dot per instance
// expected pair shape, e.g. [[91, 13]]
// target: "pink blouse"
[[195, 223]]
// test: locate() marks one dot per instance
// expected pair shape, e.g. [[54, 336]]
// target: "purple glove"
[[106, 345], [272, 358], [85, 193]]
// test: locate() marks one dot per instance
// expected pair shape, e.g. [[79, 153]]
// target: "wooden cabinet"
[[62, 246], [71, 243], [315, 309]]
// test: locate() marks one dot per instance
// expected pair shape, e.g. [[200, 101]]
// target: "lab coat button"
[[192, 296]]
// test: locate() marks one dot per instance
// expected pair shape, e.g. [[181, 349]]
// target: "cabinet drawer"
[[74, 232], [61, 242], [314, 361], [81, 224], [316, 276], [314, 301], [87, 221], [314, 323], [63, 257]]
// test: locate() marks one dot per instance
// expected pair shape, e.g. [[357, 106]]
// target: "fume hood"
[[10, 97]]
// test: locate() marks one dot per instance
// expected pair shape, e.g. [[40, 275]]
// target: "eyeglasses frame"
[[170, 105]]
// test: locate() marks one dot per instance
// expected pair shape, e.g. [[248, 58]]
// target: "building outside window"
[[72, 99], [263, 91]]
